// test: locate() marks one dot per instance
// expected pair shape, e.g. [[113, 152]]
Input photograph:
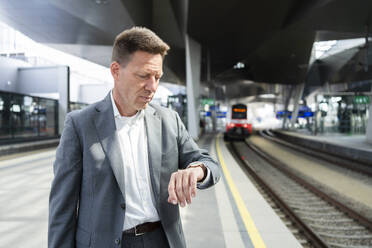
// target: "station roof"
[[272, 39]]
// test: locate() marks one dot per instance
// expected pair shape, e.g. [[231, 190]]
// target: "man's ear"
[[114, 68]]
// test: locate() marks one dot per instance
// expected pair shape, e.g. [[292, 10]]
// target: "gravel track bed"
[[359, 207], [337, 227], [362, 209]]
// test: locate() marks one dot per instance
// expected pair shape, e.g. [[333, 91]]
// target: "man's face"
[[136, 83]]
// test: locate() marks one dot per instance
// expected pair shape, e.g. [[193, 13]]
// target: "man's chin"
[[142, 106]]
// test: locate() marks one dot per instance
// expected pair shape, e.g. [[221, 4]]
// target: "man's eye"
[[143, 76]]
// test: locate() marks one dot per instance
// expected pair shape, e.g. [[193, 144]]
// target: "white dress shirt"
[[140, 206]]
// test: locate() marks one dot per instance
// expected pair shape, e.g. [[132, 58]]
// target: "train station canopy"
[[242, 41]]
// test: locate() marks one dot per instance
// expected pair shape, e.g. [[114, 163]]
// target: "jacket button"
[[122, 206], [117, 241]]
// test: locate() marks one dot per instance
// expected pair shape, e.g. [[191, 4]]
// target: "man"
[[123, 165]]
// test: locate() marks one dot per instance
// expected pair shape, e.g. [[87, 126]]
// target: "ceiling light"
[[101, 2], [239, 65], [267, 96]]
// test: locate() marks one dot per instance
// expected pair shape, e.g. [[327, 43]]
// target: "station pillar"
[[286, 105], [193, 67], [369, 126], [296, 103]]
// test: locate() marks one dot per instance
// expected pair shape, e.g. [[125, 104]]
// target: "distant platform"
[[21, 147], [352, 146]]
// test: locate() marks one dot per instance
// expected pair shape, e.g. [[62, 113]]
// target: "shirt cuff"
[[206, 179]]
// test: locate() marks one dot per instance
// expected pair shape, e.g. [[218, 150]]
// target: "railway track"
[[314, 216]]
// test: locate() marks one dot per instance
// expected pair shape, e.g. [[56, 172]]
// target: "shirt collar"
[[116, 111], [130, 120]]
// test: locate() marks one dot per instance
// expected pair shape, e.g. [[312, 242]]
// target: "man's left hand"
[[182, 184]]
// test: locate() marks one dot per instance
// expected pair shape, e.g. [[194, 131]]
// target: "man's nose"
[[151, 84]]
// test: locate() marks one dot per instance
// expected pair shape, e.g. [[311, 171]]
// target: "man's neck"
[[122, 110]]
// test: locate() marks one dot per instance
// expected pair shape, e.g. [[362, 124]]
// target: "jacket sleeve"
[[64, 194], [189, 152]]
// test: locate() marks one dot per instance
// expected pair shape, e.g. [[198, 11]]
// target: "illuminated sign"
[[239, 110], [361, 100]]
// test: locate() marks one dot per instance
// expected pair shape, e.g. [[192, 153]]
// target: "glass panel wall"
[[77, 105], [48, 118], [178, 103], [23, 116], [343, 113], [5, 125]]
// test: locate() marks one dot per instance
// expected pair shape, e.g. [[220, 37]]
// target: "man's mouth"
[[146, 98]]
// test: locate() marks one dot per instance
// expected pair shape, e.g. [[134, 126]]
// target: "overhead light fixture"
[[239, 65], [267, 96], [101, 2]]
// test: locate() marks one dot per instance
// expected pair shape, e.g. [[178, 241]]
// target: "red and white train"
[[237, 126]]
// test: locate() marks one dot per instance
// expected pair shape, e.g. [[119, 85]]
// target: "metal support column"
[[193, 68], [369, 126], [287, 100], [296, 103]]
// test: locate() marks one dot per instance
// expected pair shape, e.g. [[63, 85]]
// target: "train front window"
[[239, 115]]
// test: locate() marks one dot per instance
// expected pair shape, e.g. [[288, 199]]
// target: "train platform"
[[351, 146], [231, 214], [29, 146]]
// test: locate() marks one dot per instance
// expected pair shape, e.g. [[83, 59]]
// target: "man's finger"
[[179, 189], [186, 186], [171, 190], [193, 183]]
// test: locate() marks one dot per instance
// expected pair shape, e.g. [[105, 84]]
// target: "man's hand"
[[182, 184]]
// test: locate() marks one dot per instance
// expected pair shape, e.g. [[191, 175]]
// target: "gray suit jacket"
[[87, 203]]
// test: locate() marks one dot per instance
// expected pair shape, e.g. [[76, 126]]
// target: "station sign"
[[220, 114], [361, 99], [207, 101]]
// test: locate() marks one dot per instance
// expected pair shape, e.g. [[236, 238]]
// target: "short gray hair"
[[137, 39]]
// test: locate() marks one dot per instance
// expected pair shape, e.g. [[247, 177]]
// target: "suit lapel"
[[154, 144], [106, 129]]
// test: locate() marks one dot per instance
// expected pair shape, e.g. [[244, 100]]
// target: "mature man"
[[123, 165]]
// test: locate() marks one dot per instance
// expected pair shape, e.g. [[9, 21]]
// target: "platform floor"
[[231, 214], [24, 191]]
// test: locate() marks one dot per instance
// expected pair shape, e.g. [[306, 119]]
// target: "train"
[[237, 126]]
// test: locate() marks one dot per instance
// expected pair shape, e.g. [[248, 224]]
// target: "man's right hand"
[[182, 185]]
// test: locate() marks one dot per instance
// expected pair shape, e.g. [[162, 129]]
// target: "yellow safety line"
[[248, 222]]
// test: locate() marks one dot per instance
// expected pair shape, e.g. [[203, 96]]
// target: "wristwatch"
[[201, 165]]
